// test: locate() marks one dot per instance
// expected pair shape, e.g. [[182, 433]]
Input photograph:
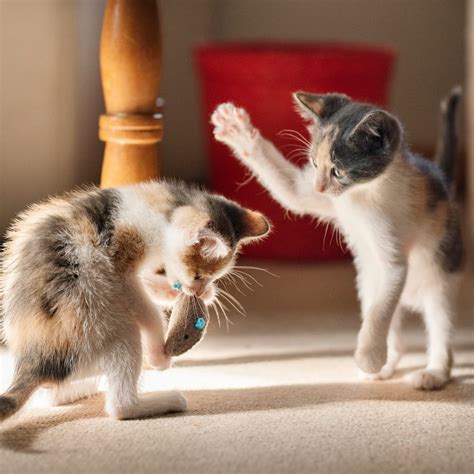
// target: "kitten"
[[77, 274], [395, 210]]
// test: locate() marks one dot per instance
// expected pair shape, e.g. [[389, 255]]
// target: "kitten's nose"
[[321, 188], [198, 288]]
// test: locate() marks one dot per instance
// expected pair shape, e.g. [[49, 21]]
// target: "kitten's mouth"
[[207, 295]]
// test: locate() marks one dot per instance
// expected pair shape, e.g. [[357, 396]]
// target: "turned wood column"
[[130, 60]]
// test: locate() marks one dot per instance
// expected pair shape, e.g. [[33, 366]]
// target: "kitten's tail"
[[25, 382], [445, 156]]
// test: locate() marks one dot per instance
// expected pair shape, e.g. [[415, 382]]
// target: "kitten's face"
[[352, 143], [201, 246]]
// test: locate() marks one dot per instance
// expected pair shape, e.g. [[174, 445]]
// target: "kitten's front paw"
[[428, 379], [370, 359], [384, 374], [233, 127], [156, 360]]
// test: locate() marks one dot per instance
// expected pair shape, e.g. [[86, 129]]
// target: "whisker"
[[229, 279], [324, 238], [213, 306], [247, 275], [249, 267], [293, 134], [224, 310], [245, 181], [245, 279], [233, 302]]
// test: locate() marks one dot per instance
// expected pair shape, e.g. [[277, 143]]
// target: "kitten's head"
[[203, 240], [351, 143]]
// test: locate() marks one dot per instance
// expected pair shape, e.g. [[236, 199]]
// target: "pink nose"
[[321, 188], [198, 288]]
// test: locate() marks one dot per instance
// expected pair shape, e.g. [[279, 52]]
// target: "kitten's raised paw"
[[428, 379], [232, 126]]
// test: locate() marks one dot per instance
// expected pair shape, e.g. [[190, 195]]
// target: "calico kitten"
[[394, 208], [77, 273]]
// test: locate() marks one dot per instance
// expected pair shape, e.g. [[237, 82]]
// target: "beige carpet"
[[276, 393]]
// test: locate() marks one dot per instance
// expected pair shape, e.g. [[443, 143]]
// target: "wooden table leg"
[[130, 58]]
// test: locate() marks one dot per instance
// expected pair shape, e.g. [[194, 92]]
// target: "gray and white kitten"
[[395, 210], [78, 276]]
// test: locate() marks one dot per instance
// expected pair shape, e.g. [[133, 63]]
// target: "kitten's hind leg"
[[122, 399], [379, 300], [437, 316], [394, 349], [71, 391]]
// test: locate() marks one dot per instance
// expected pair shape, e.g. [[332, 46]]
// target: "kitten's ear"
[[377, 131], [255, 225], [211, 245], [319, 106]]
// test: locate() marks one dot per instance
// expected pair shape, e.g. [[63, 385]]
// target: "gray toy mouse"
[[187, 325]]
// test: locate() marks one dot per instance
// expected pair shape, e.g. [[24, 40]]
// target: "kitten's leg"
[[152, 327], [69, 392], [394, 349], [437, 316], [290, 185], [122, 399], [380, 297], [152, 333]]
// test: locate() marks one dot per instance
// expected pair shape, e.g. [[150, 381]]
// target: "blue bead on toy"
[[177, 286], [200, 323]]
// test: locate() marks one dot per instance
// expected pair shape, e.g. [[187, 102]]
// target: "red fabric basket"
[[261, 78]]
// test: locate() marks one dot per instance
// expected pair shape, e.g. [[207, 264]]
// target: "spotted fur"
[[79, 276], [395, 210]]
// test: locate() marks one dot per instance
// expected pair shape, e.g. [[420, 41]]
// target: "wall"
[[50, 94], [50, 99], [470, 124]]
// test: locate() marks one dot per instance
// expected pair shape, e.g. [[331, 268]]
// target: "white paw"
[[156, 360], [177, 402], [371, 358], [233, 127], [386, 372], [428, 379]]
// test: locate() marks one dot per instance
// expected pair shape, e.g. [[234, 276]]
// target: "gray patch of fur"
[[7, 406], [451, 249], [366, 141], [438, 186], [447, 144]]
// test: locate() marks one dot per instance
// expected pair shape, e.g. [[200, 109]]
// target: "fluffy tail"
[[24, 384], [445, 156]]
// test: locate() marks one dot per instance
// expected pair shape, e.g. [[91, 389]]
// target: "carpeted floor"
[[278, 392]]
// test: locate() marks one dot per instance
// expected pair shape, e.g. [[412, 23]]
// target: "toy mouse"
[[187, 326]]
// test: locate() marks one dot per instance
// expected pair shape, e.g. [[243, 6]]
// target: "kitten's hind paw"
[[233, 127], [426, 379]]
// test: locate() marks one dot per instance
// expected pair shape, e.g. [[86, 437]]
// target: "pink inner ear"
[[211, 245]]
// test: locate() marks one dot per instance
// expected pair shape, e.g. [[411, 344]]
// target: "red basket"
[[261, 78]]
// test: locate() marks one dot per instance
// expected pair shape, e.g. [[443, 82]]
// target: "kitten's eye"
[[161, 271], [198, 277], [335, 172]]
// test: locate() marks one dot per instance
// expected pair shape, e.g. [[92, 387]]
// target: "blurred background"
[[279, 390], [50, 91]]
